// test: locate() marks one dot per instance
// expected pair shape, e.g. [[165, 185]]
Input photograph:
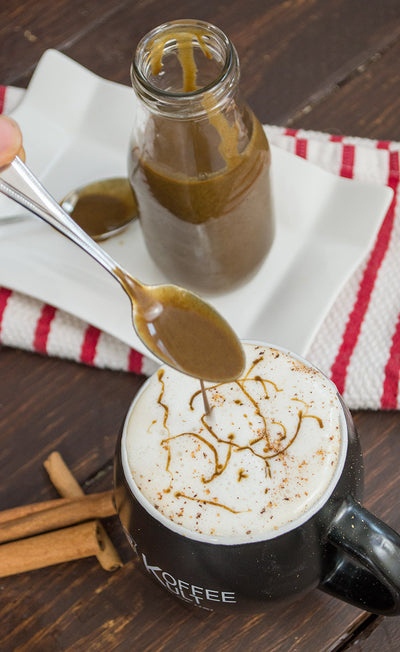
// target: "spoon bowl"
[[102, 208], [184, 331], [176, 325]]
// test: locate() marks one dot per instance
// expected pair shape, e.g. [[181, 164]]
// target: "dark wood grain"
[[318, 44], [126, 611], [280, 71], [349, 109], [322, 64], [29, 28], [382, 635]]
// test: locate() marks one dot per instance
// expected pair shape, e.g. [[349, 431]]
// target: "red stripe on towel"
[[89, 345], [4, 296], [348, 156], [2, 98], [290, 132], [383, 144], [42, 329], [301, 147], [135, 361]]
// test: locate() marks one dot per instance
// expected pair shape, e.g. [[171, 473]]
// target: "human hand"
[[10, 141]]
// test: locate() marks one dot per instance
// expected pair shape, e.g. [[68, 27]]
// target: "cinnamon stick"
[[70, 543], [67, 486], [65, 511], [62, 477], [26, 510]]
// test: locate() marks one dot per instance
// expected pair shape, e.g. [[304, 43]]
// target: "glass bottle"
[[199, 160]]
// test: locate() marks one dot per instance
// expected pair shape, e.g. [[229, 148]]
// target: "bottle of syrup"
[[199, 160]]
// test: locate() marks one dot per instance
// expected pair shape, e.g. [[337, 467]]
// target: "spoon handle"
[[19, 183]]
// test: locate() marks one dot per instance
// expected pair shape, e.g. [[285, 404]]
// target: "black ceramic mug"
[[336, 546]]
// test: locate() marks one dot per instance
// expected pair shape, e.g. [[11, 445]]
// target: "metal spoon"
[[177, 326], [102, 208]]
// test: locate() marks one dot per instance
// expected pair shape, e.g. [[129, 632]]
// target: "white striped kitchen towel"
[[358, 344]]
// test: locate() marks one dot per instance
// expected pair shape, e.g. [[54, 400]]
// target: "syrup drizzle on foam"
[[262, 457]]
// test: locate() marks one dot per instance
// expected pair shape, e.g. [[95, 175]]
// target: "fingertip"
[[10, 140]]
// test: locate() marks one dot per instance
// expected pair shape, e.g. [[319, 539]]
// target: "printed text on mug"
[[188, 592]]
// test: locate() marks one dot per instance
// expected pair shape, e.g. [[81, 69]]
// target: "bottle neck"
[[185, 69]]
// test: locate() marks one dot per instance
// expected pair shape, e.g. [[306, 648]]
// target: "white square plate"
[[76, 129]]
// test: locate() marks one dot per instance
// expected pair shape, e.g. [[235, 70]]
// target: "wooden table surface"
[[328, 65]]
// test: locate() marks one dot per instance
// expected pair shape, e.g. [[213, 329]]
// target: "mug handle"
[[367, 572]]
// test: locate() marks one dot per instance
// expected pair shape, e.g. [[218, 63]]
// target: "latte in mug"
[[258, 462]]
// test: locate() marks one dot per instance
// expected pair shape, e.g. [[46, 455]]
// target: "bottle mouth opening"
[[182, 60]]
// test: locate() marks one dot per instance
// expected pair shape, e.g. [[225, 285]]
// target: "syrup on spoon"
[[176, 325], [102, 208]]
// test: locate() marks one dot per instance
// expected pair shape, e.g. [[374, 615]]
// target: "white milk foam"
[[262, 457]]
